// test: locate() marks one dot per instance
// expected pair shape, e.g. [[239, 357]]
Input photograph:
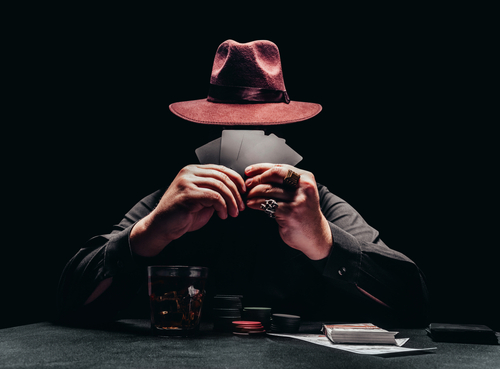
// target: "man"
[[316, 257]]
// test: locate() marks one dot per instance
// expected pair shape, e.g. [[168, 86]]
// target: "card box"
[[464, 333]]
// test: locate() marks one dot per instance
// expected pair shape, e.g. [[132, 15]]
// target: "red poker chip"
[[249, 327], [250, 333], [246, 322]]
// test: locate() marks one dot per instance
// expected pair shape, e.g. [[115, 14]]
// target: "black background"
[[405, 135]]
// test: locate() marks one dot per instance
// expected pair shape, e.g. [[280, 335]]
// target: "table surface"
[[129, 344]]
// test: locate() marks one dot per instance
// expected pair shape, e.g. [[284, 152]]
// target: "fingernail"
[[248, 182], [248, 169]]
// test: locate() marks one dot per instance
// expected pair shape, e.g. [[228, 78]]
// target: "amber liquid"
[[176, 304]]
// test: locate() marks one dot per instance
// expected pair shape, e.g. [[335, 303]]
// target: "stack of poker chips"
[[248, 328], [284, 323], [226, 309], [259, 314]]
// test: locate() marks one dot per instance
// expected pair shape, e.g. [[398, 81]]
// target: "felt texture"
[[205, 112], [255, 64], [129, 344]]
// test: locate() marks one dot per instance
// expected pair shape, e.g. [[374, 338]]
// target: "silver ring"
[[270, 207]]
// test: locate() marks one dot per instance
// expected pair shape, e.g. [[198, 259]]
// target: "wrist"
[[145, 240], [323, 244]]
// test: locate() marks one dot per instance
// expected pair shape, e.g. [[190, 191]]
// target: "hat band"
[[245, 95]]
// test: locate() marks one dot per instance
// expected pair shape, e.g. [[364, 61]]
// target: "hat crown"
[[252, 64]]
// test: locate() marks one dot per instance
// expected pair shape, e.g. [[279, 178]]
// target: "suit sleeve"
[[363, 266], [102, 257]]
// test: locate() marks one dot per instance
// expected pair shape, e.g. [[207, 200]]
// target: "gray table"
[[129, 344]]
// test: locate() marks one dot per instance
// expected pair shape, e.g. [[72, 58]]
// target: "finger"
[[213, 184], [273, 174], [208, 198], [224, 177], [256, 204], [233, 175], [269, 191], [259, 168]]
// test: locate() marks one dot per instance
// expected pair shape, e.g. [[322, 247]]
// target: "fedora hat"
[[246, 88]]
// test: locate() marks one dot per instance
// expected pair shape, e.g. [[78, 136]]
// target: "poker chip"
[[285, 323], [228, 301], [225, 312], [230, 316], [226, 309], [261, 314], [246, 322], [256, 326], [248, 327]]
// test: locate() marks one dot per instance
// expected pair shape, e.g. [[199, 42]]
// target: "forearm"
[[100, 289], [318, 245], [361, 264], [374, 272], [104, 262], [146, 239]]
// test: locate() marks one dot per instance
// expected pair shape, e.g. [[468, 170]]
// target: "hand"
[[188, 204], [302, 225]]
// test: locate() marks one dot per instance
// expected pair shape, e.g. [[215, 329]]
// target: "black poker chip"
[[228, 301], [226, 309], [227, 312], [261, 314], [285, 323]]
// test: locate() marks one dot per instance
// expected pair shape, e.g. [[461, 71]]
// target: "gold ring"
[[291, 179]]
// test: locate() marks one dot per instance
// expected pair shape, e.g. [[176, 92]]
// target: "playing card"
[[267, 149], [275, 150], [278, 138], [237, 149], [249, 142], [231, 143], [245, 154], [210, 152], [281, 153]]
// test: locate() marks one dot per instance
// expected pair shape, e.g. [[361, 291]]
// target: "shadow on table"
[[407, 353], [141, 327]]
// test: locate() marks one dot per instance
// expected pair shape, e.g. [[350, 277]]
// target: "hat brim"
[[206, 112]]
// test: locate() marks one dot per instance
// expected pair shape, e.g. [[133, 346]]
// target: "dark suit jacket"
[[361, 280]]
